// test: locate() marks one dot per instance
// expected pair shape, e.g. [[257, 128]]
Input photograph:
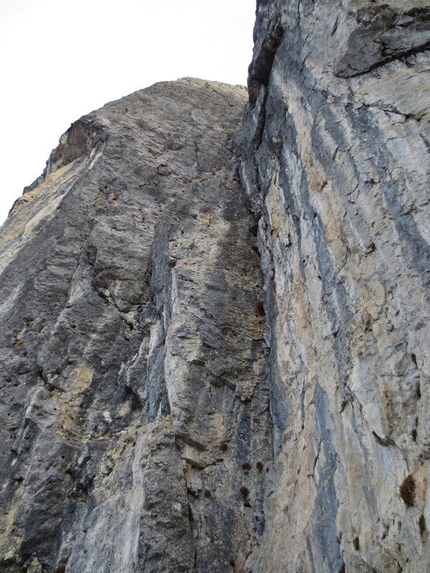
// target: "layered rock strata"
[[335, 160], [134, 393]]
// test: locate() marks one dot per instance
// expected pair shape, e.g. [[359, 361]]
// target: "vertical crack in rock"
[[135, 396], [334, 163]]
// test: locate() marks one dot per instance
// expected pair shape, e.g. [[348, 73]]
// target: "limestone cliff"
[[135, 424], [335, 160], [215, 336]]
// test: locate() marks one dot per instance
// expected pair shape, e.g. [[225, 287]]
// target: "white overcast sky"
[[60, 60]]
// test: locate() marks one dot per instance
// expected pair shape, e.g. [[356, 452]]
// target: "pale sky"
[[60, 60]]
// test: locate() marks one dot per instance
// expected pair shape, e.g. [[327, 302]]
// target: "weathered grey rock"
[[335, 160], [168, 408], [136, 430]]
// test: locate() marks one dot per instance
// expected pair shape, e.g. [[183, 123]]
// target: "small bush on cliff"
[[407, 490]]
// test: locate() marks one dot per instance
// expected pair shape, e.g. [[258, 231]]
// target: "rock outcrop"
[[136, 430], [214, 333], [335, 161]]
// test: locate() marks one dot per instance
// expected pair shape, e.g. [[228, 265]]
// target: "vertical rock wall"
[[335, 159], [166, 406], [134, 393]]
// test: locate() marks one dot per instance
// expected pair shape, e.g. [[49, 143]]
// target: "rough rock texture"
[[165, 406], [335, 159], [134, 391]]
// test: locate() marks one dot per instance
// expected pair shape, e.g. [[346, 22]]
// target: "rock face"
[[136, 429], [205, 376], [335, 160]]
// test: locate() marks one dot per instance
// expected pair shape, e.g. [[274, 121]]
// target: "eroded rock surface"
[[168, 407], [135, 424], [335, 159]]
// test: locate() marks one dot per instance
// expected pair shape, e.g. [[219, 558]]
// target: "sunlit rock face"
[[135, 430], [334, 163]]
